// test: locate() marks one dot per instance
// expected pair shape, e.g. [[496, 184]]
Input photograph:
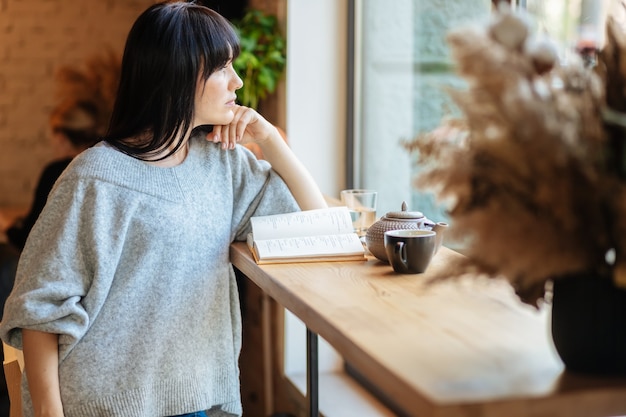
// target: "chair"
[[13, 365]]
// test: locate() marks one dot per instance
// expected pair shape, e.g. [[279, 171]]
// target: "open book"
[[305, 236]]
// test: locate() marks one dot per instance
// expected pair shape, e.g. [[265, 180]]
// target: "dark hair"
[[170, 46], [77, 120]]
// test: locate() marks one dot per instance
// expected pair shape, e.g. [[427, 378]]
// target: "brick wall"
[[36, 38]]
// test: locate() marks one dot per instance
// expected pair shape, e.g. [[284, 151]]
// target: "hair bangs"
[[216, 40]]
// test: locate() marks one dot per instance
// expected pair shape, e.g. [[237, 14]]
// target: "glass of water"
[[362, 207]]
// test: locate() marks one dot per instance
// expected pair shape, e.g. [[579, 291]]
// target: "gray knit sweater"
[[129, 264]]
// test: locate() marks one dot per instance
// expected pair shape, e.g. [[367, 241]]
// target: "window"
[[402, 68]]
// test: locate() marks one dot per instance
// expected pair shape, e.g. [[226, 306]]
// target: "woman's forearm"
[[292, 171], [41, 364]]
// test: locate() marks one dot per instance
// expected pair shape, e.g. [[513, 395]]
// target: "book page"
[[343, 244], [328, 221]]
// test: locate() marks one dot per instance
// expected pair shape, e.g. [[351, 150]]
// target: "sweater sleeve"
[[258, 191], [66, 268]]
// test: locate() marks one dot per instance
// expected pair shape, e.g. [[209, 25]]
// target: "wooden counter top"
[[464, 347]]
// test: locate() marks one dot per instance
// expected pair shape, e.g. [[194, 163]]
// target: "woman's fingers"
[[214, 134], [242, 127], [245, 119], [220, 134], [225, 137], [235, 131]]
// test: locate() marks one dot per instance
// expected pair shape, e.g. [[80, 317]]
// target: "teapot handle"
[[440, 229]]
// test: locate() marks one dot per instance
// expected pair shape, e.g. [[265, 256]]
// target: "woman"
[[125, 302]]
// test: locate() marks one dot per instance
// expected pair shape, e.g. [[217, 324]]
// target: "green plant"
[[261, 62]]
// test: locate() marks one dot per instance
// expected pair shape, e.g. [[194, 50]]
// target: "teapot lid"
[[404, 214]]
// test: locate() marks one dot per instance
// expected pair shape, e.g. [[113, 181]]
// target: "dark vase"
[[589, 324]]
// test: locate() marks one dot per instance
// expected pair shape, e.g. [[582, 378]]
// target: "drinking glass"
[[362, 207]]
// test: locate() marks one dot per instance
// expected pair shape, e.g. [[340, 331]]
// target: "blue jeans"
[[196, 414]]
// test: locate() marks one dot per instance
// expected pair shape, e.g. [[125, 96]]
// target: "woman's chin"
[[221, 121]]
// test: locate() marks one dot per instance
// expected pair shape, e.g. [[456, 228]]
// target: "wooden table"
[[464, 347]]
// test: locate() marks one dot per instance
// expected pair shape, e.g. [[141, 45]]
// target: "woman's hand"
[[247, 126]]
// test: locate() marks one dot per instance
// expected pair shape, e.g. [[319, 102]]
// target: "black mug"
[[410, 251]]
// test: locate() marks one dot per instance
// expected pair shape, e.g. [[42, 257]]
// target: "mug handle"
[[398, 261]]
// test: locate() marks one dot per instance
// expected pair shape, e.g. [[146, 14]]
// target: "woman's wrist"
[[273, 141]]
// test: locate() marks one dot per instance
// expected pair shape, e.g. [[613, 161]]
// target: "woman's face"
[[215, 98]]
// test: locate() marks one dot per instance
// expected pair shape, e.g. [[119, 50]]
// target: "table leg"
[[312, 373]]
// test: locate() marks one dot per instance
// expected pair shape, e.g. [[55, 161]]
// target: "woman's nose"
[[238, 82]]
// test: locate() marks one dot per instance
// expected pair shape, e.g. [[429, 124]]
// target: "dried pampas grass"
[[528, 173]]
